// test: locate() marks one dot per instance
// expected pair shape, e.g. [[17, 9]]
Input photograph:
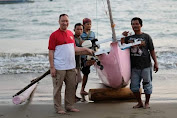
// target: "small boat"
[[14, 1], [116, 64], [116, 71]]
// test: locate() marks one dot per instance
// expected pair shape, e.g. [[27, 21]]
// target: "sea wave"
[[167, 59], [14, 63]]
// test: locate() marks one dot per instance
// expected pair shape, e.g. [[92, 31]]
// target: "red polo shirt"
[[63, 43]]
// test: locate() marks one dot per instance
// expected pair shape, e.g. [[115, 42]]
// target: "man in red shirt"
[[62, 50]]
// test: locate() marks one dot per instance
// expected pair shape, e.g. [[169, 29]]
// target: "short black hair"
[[77, 24], [63, 15], [139, 19]]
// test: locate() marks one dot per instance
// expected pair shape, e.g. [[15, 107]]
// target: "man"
[[78, 29], [141, 62], [86, 35], [62, 52]]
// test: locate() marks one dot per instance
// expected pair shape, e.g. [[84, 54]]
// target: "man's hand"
[[125, 33], [90, 52], [142, 44], [156, 68], [52, 71]]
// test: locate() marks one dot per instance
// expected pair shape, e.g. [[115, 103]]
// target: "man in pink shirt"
[[62, 50]]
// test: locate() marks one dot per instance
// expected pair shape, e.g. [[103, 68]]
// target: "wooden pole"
[[101, 94], [112, 22], [25, 95], [33, 82]]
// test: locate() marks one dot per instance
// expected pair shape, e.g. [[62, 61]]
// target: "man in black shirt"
[[141, 62]]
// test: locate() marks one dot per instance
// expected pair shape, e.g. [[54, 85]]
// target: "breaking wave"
[[14, 63]]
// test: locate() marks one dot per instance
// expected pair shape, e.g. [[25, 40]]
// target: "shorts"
[[137, 75]]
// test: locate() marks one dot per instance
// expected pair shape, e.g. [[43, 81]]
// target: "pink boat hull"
[[116, 72]]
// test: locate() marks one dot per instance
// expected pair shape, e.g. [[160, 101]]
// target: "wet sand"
[[90, 110], [163, 101]]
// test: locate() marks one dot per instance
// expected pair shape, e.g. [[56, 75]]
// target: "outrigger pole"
[[114, 39], [32, 82]]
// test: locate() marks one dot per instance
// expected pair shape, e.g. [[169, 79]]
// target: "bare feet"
[[138, 106], [146, 106], [73, 110], [61, 112], [83, 93]]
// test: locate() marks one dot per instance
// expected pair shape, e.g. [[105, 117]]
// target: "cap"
[[86, 20]]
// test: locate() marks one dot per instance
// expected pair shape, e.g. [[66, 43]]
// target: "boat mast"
[[114, 39]]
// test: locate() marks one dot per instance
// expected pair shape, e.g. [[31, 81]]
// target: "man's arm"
[[51, 61], [153, 55], [83, 51]]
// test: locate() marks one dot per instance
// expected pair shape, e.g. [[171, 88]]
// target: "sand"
[[163, 101], [90, 110]]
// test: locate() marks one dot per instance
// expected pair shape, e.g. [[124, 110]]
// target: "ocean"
[[25, 29]]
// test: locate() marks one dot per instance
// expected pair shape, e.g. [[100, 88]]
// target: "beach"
[[163, 102], [24, 33], [90, 110]]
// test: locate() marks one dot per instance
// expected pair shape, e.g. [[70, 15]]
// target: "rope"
[[106, 13], [97, 17], [106, 9]]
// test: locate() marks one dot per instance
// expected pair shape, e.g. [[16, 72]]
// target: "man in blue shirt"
[[86, 35]]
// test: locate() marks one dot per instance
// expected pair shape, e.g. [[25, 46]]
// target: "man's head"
[[78, 29], [136, 23], [63, 21], [87, 23]]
